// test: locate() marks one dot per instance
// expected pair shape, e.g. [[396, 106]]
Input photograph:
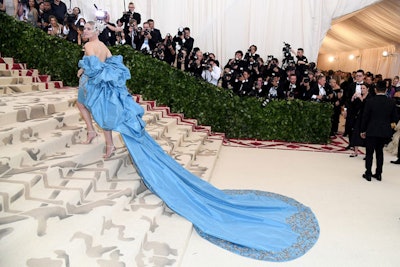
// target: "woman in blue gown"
[[256, 224]]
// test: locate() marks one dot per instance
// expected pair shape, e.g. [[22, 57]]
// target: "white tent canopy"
[[224, 26], [363, 36]]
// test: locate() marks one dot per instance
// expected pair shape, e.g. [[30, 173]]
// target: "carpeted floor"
[[359, 220]]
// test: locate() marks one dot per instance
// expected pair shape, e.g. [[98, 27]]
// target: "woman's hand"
[[80, 72]]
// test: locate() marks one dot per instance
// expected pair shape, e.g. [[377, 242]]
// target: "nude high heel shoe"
[[91, 135], [111, 151]]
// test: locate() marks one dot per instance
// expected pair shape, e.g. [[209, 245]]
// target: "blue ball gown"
[[256, 224]]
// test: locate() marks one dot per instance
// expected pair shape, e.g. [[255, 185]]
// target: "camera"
[[288, 58], [146, 32], [132, 22], [227, 75], [206, 66], [180, 31], [180, 55]]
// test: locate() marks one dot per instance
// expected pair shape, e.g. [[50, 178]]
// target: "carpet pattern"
[[61, 204]]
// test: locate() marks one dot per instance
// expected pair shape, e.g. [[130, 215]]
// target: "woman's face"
[[53, 21], [31, 3], [364, 90], [88, 31], [76, 11]]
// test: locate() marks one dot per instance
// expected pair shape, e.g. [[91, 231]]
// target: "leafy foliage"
[[295, 120]]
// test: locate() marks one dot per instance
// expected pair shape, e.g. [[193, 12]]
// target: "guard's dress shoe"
[[395, 161], [377, 176], [367, 177]]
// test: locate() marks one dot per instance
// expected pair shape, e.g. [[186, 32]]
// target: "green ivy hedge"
[[237, 117]]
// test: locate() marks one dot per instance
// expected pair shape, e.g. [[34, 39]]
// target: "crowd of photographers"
[[246, 74]]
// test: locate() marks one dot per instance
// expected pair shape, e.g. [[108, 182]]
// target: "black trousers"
[[374, 144], [398, 150]]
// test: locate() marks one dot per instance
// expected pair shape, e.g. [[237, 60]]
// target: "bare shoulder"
[[89, 49]]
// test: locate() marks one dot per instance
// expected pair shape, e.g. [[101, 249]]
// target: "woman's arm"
[[15, 7]]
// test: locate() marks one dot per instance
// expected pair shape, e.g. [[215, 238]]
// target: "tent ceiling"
[[377, 25]]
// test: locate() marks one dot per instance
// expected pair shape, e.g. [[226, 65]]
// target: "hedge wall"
[[237, 117]]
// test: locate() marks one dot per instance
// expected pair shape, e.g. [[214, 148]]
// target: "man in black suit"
[[352, 108], [128, 16], [376, 126], [184, 39], [155, 33]]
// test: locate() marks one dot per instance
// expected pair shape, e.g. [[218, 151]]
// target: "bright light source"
[[331, 59], [351, 57], [385, 53]]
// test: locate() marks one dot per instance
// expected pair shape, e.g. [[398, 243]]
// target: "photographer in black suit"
[[146, 43], [128, 16], [184, 40], [155, 33], [376, 128]]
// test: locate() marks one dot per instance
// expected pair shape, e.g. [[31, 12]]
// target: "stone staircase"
[[61, 204]]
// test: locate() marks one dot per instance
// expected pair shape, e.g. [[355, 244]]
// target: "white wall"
[[224, 26]]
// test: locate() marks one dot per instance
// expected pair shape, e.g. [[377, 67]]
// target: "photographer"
[[183, 39], [155, 33], [196, 63], [259, 88], [273, 87], [159, 52], [170, 52], [236, 64], [243, 85], [259, 68], [226, 80], [128, 16], [132, 38], [211, 72], [272, 67], [251, 58], [182, 59], [302, 61], [145, 43], [290, 89], [305, 88], [320, 92]]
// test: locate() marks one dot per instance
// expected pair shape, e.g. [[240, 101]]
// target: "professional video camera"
[[286, 50], [287, 56]]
